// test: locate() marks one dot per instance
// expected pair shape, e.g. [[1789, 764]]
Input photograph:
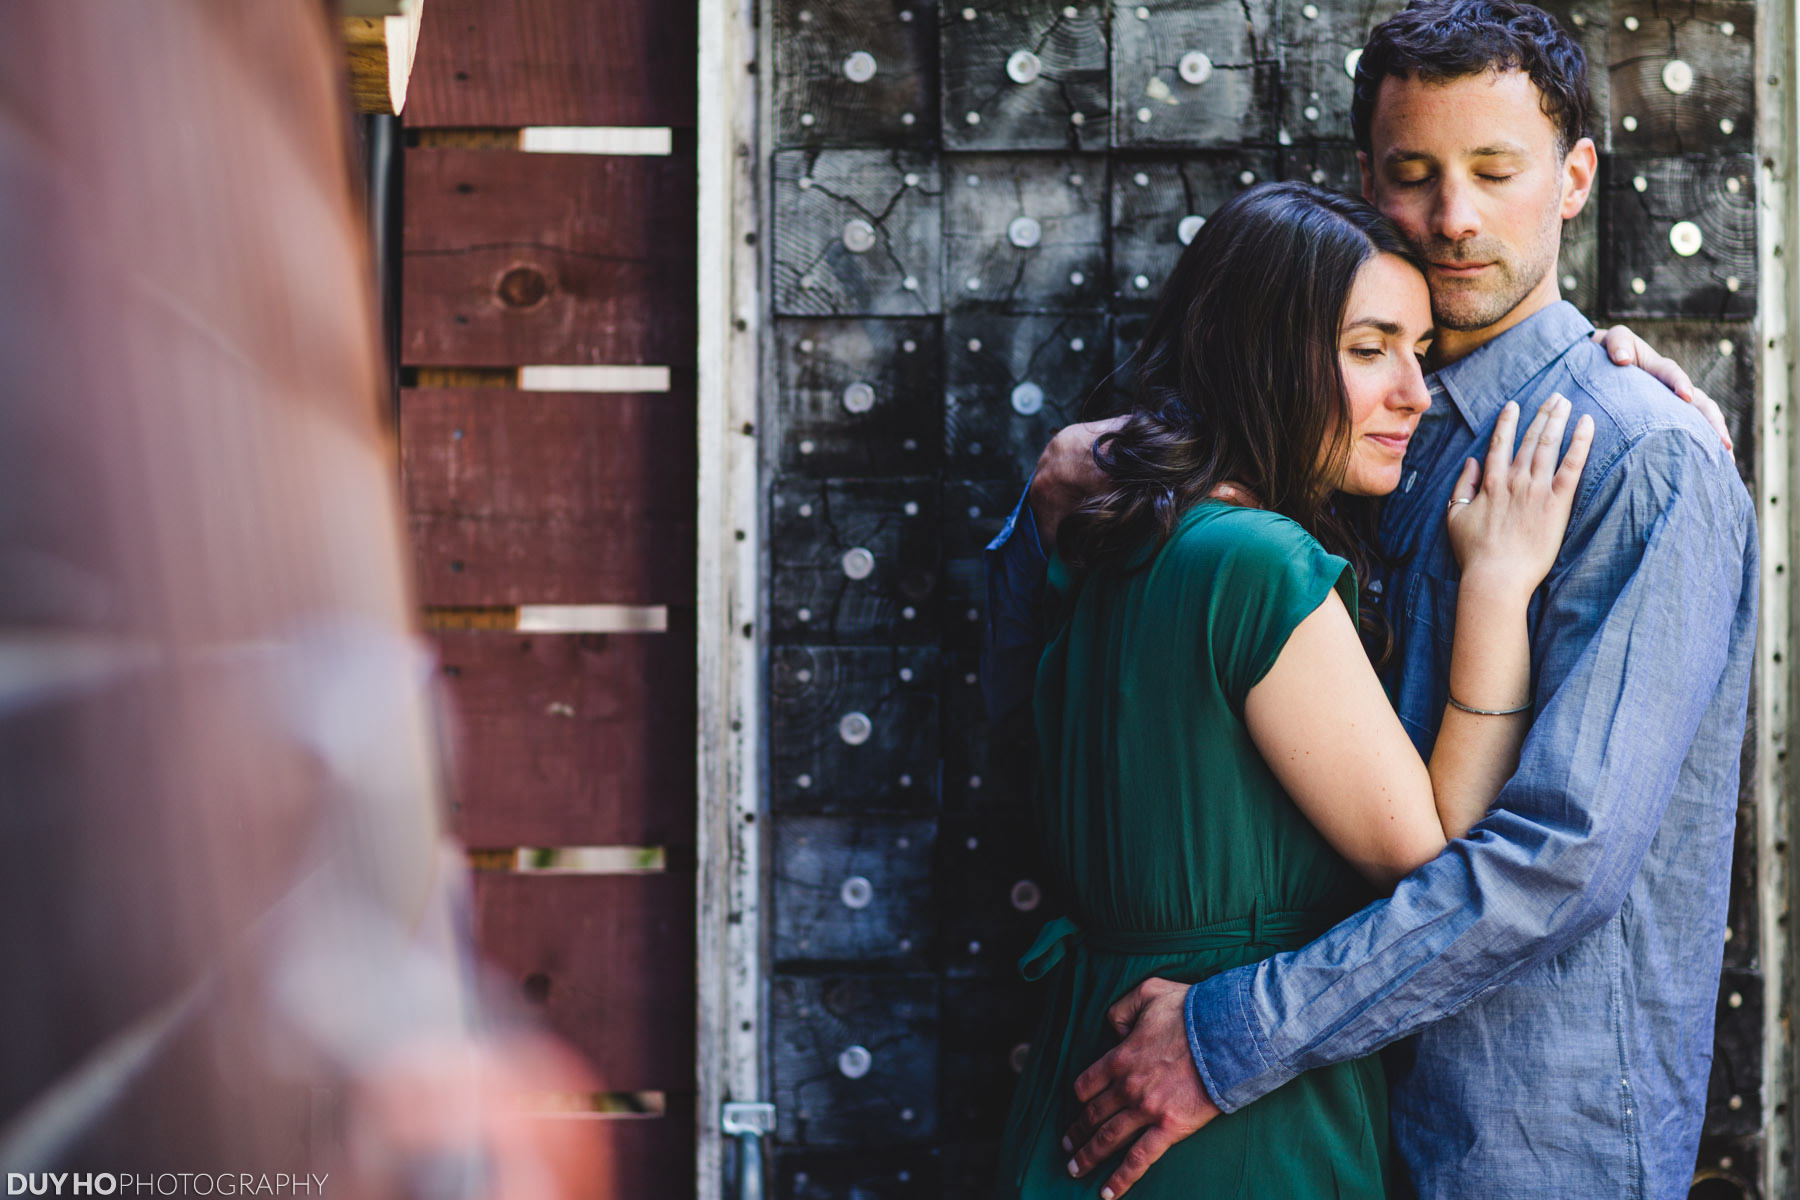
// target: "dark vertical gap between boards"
[[382, 182]]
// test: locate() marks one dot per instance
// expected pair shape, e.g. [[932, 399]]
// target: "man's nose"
[[1456, 217]]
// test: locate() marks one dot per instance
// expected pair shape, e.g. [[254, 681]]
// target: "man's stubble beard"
[[1511, 278]]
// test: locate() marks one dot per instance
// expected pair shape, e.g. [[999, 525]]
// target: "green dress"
[[1181, 856]]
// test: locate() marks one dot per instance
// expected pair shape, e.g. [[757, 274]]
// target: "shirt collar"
[[1484, 379]]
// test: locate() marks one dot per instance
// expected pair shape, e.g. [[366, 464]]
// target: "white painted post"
[[729, 1020], [1778, 321]]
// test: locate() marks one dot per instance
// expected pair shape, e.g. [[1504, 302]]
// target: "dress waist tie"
[[1061, 942]]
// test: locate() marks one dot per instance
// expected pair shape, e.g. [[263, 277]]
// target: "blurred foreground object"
[[226, 905], [381, 38]]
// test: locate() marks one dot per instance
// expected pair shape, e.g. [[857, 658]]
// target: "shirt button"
[[1412, 477], [1375, 587]]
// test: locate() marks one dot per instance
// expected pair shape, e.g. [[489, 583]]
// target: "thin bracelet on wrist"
[[1489, 712]]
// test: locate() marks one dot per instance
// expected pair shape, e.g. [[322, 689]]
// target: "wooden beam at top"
[[380, 45]]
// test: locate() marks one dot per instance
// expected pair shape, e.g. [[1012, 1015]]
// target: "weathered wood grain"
[[1153, 105], [515, 258], [570, 739], [1024, 233], [598, 955], [1128, 328], [856, 233], [1315, 42], [1026, 77], [853, 730], [1151, 198], [822, 592], [857, 397], [994, 891], [555, 62], [1331, 165], [1660, 45], [892, 1098], [1645, 199], [856, 73], [549, 498], [1010, 382], [972, 516], [854, 890], [1720, 357]]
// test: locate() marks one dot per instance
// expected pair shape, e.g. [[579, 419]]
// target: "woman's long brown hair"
[[1237, 381]]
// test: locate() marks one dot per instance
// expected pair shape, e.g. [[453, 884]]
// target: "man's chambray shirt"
[[1557, 969]]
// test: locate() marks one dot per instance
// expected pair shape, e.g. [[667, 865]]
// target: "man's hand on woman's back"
[[1066, 475], [1145, 1093]]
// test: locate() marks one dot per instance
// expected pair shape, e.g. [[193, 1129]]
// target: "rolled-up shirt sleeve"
[[1629, 647], [1011, 639]]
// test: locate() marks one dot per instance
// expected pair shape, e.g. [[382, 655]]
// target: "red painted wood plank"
[[608, 961], [514, 258], [549, 498], [572, 739], [555, 62], [651, 1156]]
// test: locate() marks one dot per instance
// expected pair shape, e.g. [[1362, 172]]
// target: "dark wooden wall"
[[973, 208], [516, 497]]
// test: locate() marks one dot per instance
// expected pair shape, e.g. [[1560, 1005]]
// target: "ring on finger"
[[1456, 500]]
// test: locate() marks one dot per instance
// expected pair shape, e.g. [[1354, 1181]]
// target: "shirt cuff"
[[1226, 1043], [1022, 521], [1012, 641]]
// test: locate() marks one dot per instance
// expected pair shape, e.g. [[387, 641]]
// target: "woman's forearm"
[[1490, 668]]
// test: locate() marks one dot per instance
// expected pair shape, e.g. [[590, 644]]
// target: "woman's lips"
[[1390, 441]]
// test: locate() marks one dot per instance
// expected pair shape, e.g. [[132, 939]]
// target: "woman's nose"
[[1410, 392]]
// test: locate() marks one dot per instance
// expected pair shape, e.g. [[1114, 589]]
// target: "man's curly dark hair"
[[1441, 40]]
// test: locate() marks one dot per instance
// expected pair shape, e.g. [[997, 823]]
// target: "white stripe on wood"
[[593, 618], [595, 139], [593, 379]]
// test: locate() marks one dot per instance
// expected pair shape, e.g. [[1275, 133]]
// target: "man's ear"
[[1579, 168], [1368, 177]]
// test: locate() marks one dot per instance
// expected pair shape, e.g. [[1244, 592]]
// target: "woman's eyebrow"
[[1391, 328]]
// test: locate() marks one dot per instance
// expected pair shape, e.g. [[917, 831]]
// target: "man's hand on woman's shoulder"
[[1066, 475], [1146, 1092]]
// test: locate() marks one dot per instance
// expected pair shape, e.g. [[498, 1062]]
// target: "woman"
[[1223, 776]]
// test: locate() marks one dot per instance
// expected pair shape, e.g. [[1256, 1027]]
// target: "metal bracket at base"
[[749, 1122]]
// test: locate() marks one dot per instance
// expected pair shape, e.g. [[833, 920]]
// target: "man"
[[1557, 970]]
